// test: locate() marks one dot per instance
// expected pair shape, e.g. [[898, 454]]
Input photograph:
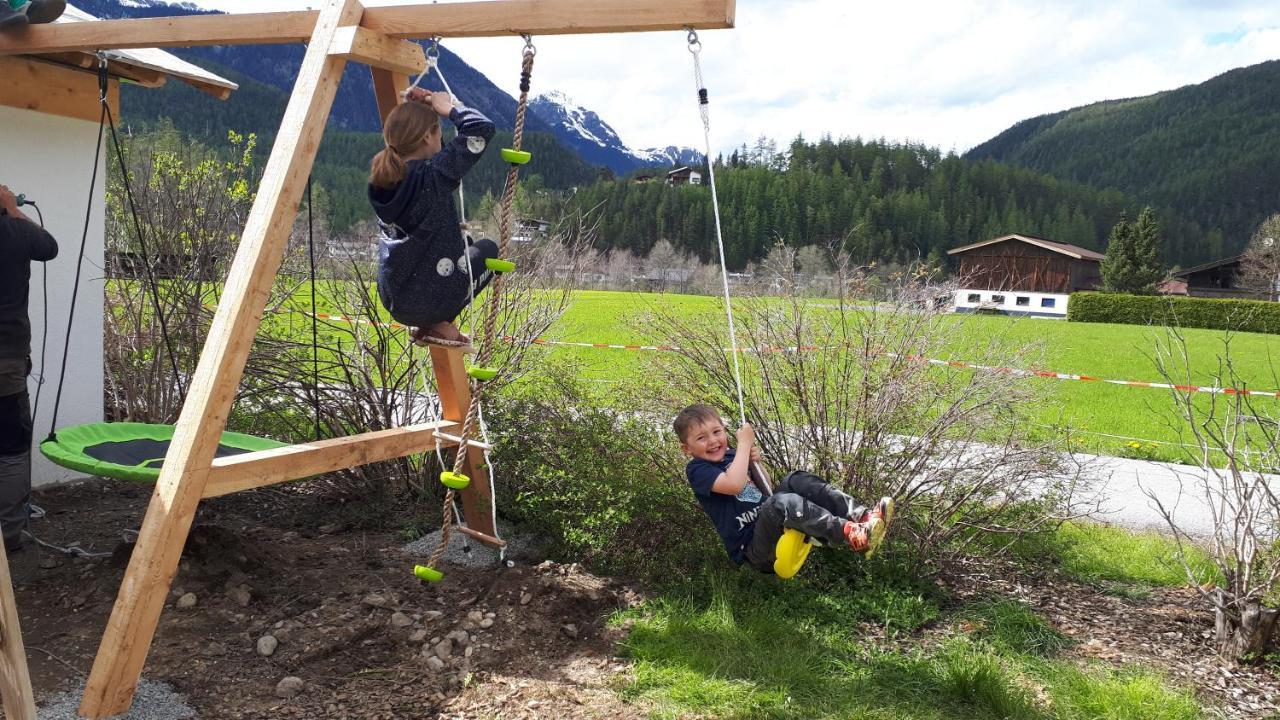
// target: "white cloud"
[[950, 74]]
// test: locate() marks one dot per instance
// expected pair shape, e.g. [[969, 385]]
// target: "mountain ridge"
[[1209, 150]]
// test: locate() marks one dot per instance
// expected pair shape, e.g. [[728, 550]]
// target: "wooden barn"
[[1022, 275], [1217, 279]]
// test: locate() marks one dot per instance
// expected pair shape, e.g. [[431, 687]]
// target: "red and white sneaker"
[[882, 510], [865, 537]]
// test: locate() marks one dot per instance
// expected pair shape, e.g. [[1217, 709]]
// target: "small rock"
[[433, 614], [435, 663], [187, 601], [241, 595], [267, 645], [289, 687], [459, 637], [444, 649], [467, 652], [486, 623], [525, 598], [328, 529], [570, 630], [491, 615], [375, 600], [49, 562], [418, 636], [475, 616], [400, 620]]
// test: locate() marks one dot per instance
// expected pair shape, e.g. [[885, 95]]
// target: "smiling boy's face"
[[706, 440]]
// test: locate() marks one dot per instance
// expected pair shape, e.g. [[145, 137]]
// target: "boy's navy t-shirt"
[[733, 515]]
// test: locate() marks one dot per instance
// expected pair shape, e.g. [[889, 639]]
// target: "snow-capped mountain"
[[596, 141]]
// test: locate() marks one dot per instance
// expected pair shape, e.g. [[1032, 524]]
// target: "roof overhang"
[[148, 67], [1051, 246]]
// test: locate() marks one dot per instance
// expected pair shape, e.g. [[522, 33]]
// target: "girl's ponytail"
[[403, 132], [387, 168]]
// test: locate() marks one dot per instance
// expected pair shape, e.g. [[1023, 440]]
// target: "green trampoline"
[[131, 451]]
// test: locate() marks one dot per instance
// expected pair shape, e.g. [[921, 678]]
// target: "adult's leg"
[[786, 510], [816, 490], [15, 466]]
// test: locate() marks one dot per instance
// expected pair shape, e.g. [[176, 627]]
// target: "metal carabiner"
[[529, 48]]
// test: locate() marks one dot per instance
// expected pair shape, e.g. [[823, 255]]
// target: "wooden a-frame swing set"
[[342, 31]]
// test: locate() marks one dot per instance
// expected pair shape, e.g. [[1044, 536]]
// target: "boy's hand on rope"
[[756, 456], [747, 438]]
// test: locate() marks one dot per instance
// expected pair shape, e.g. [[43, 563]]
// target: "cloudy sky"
[[950, 73]]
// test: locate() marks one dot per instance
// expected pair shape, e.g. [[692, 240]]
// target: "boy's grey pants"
[[15, 449], [803, 502]]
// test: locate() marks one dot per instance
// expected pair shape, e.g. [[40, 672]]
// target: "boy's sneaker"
[[882, 510], [865, 537]]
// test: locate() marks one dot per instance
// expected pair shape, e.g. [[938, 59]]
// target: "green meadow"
[[1103, 418]]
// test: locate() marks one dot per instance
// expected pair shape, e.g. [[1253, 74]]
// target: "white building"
[[49, 109]]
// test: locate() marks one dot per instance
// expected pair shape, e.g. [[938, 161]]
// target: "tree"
[[1260, 263], [1132, 261]]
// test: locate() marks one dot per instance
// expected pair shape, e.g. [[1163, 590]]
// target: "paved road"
[[1126, 486]]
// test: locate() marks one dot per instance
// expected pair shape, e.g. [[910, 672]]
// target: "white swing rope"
[[695, 49], [433, 61]]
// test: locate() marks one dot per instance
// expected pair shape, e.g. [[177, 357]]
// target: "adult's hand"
[[8, 202]]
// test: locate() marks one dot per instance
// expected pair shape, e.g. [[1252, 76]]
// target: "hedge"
[[1239, 315]]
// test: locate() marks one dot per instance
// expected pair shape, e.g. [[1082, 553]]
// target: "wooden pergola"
[[343, 31]]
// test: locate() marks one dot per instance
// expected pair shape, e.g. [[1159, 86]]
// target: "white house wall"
[[49, 159], [1006, 301]]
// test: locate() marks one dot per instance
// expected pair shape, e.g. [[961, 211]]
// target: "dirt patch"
[[1170, 631], [263, 595]]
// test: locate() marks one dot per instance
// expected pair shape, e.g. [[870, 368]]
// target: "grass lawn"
[[1107, 419], [1104, 418], [746, 646]]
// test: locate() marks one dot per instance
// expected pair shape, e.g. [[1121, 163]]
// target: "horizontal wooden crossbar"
[[492, 18], [269, 467]]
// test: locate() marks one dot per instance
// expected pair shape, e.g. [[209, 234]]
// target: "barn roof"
[[145, 66], [1210, 265], [1074, 251]]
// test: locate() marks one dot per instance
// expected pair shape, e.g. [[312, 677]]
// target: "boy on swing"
[[750, 524]]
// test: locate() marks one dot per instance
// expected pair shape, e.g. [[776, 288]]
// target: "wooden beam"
[[54, 89], [377, 50], [490, 18], [387, 87], [15, 677], [118, 665], [455, 397], [247, 471], [541, 17]]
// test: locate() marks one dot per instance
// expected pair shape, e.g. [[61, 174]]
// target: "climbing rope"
[[487, 337], [695, 49]]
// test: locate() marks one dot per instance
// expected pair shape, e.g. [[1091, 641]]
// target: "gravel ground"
[[468, 553], [153, 701]]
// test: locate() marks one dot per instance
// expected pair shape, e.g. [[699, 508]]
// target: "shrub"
[[606, 489], [1239, 315]]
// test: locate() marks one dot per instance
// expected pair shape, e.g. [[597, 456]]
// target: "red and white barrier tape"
[[811, 348]]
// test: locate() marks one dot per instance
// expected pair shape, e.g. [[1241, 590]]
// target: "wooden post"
[[455, 398], [448, 364], [181, 484], [15, 679]]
